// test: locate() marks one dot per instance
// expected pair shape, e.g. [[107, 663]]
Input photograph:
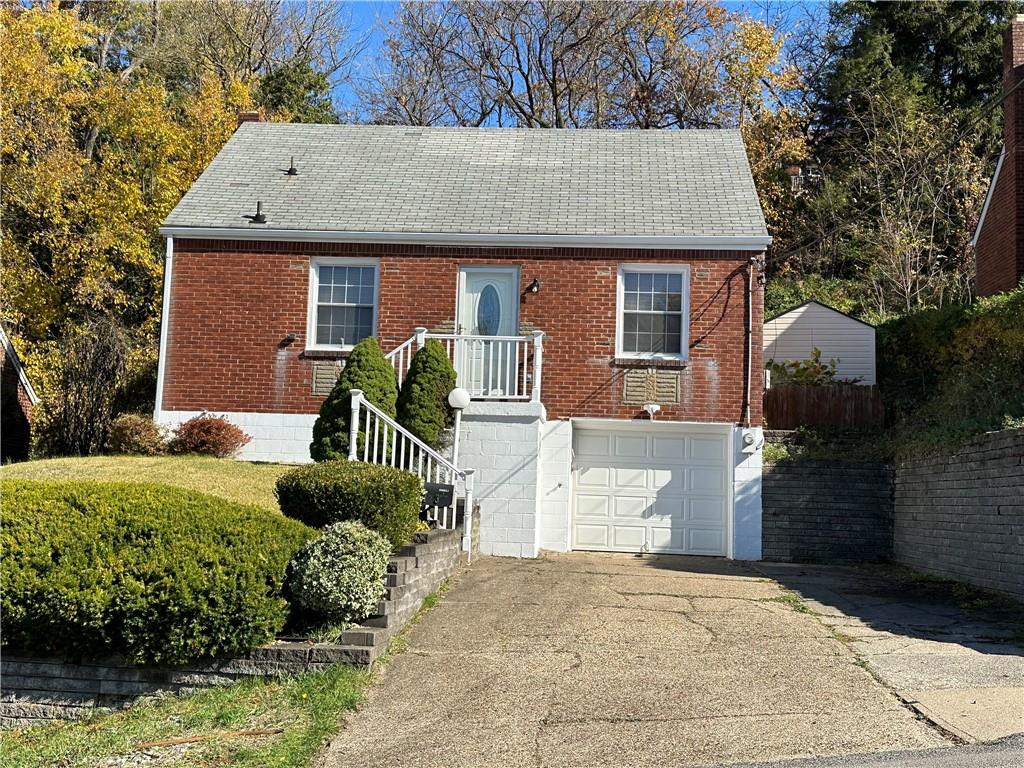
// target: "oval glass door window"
[[488, 312]]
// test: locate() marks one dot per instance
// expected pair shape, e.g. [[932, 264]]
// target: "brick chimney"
[[999, 241], [253, 116]]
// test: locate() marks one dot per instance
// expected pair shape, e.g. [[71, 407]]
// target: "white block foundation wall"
[[276, 437], [501, 441], [523, 478], [746, 505]]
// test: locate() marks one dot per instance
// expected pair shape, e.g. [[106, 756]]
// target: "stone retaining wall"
[[826, 511], [37, 689], [962, 516]]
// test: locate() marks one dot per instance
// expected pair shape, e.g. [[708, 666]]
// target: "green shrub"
[[208, 435], [423, 402], [366, 369], [811, 372], [155, 573], [384, 499], [952, 373], [135, 434], [340, 574]]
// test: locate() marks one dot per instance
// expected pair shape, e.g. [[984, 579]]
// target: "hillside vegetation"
[[948, 374]]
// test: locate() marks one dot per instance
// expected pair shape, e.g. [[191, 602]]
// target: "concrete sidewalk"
[[959, 669], [596, 660]]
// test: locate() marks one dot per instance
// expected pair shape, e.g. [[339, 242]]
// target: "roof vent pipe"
[[259, 217], [292, 170]]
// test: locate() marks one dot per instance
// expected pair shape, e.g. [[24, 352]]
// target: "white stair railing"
[[488, 367], [376, 438]]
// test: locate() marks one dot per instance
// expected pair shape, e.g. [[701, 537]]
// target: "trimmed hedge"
[[155, 573], [423, 402], [384, 499], [340, 574], [366, 369]]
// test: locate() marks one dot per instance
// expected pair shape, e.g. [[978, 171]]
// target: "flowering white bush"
[[340, 574]]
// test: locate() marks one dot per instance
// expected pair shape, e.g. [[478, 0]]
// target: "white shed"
[[794, 335]]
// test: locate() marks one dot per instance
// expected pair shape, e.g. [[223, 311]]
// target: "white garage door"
[[656, 491]]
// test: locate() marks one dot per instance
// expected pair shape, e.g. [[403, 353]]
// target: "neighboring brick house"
[[17, 399], [578, 278], [999, 237]]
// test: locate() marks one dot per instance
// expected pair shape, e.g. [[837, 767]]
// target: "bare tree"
[[547, 64], [239, 40]]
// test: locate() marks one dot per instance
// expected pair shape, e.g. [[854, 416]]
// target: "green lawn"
[[239, 481], [300, 712]]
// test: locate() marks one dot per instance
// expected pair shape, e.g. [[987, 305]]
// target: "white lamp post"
[[458, 399]]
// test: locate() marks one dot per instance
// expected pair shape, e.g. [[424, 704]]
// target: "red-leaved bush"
[[208, 436]]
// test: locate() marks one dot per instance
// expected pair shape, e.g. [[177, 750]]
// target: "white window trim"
[[684, 330], [315, 263]]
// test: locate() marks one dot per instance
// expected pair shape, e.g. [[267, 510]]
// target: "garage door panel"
[[590, 444], [705, 510], [593, 506], [630, 447], [706, 479], [594, 477], [705, 541], [630, 507], [628, 537], [593, 536], [659, 491], [630, 477], [666, 509], [669, 480], [708, 448], [666, 540], [669, 448]]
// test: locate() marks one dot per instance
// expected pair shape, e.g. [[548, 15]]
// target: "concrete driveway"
[[961, 668], [592, 660]]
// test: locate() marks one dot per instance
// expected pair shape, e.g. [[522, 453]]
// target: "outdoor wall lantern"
[[534, 286], [459, 400]]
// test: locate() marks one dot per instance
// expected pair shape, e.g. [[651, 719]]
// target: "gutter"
[[165, 313], [671, 242]]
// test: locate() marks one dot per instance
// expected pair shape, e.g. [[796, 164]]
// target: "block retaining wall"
[[962, 516], [33, 690], [826, 511]]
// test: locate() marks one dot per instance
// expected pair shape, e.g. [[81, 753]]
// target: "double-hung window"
[[653, 311], [343, 302]]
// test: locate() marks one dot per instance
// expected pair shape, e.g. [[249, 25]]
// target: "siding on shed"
[[851, 343]]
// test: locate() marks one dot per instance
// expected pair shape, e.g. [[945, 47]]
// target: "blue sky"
[[370, 17]]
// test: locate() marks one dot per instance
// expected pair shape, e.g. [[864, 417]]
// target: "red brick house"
[[18, 401], [597, 290], [999, 237]]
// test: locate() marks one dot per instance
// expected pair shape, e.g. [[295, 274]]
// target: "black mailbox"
[[438, 495]]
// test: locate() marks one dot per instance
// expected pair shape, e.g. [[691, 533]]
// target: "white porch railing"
[[488, 367], [376, 438]]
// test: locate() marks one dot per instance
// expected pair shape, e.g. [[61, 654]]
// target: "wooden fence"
[[788, 406]]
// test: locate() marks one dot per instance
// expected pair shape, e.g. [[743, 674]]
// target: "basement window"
[[653, 311], [342, 302]]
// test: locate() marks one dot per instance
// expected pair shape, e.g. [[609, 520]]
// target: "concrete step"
[[365, 637]]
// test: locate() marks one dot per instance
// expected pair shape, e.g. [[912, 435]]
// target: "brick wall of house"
[[15, 411], [999, 251], [234, 302]]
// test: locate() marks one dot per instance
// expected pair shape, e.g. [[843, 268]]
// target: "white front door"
[[488, 306], [662, 490]]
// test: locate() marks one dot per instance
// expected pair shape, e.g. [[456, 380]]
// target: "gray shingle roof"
[[397, 179]]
